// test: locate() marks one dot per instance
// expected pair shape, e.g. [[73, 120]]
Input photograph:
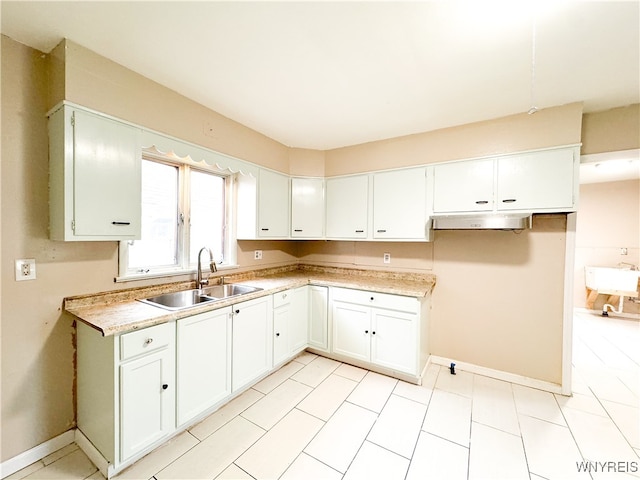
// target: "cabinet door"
[[203, 362], [299, 320], [281, 319], [534, 181], [252, 348], [318, 318], [347, 207], [399, 204], [307, 207], [273, 205], [351, 330], [147, 401], [463, 186], [107, 162], [394, 340]]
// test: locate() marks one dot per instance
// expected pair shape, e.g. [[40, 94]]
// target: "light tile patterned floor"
[[319, 419]]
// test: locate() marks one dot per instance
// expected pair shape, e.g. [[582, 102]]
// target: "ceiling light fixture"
[[533, 108]]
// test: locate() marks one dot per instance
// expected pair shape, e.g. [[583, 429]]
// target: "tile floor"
[[319, 419]]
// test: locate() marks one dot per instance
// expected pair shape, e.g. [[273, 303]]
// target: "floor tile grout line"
[[445, 439]]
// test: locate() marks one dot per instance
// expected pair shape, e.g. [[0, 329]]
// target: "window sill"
[[169, 274]]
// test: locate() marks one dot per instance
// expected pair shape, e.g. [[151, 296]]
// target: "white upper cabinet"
[[537, 181], [307, 207], [263, 206], [347, 207], [399, 204], [542, 181], [95, 177], [463, 186]]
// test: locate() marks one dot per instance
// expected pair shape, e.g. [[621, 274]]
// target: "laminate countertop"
[[118, 312]]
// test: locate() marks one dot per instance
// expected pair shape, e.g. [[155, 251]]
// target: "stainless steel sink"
[[179, 300], [230, 290], [191, 298]]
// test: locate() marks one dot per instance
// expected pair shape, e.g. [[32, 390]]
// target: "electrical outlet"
[[386, 258], [25, 269], [624, 251], [257, 255]]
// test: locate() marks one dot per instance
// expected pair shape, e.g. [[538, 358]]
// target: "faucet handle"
[[213, 266]]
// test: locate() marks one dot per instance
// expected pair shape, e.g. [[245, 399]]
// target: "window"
[[184, 208]]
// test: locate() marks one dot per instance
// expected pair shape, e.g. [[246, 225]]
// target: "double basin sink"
[[191, 298]]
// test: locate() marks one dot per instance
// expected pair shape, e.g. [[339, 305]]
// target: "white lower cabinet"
[[203, 356], [135, 390], [382, 329], [289, 323], [318, 337], [126, 390], [147, 400], [252, 348]]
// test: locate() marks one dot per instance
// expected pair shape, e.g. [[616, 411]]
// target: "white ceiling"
[[323, 75]]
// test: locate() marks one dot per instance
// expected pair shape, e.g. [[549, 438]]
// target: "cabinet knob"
[[165, 386], [148, 341], [366, 331], [509, 200], [371, 299], [237, 311], [277, 334], [373, 332]]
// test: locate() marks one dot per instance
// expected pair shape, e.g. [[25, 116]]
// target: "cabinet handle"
[[359, 231], [508, 200], [148, 341], [165, 386], [381, 231], [482, 202], [298, 230], [120, 223], [264, 229]]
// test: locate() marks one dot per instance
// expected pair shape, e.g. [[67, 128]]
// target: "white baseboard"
[[36, 453], [498, 374], [92, 452]]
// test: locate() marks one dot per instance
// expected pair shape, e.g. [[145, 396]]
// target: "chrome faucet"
[[212, 265]]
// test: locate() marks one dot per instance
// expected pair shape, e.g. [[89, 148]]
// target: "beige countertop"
[[119, 312]]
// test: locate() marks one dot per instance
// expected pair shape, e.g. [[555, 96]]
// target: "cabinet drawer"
[[144, 341], [281, 298], [374, 299]]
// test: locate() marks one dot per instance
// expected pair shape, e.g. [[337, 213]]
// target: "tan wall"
[[608, 219], [611, 130], [306, 163], [547, 128], [99, 83], [37, 338]]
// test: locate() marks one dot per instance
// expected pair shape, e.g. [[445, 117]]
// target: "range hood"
[[482, 221]]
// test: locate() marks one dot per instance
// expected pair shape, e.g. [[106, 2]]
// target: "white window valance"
[[169, 145]]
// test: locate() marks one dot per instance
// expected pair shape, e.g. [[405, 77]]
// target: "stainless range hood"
[[482, 222]]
